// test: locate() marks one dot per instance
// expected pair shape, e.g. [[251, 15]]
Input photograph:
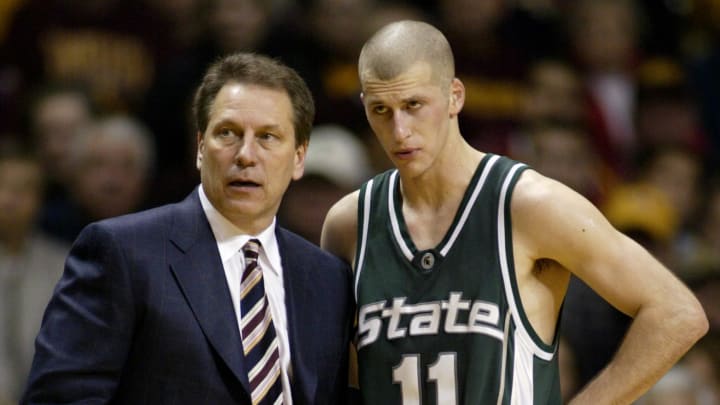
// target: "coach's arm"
[[87, 328]]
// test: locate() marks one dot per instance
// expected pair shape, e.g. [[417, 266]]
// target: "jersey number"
[[442, 372]]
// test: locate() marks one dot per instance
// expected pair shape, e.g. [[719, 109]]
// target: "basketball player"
[[462, 258]]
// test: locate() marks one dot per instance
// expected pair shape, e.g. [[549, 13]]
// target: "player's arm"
[[339, 232], [339, 236], [554, 222]]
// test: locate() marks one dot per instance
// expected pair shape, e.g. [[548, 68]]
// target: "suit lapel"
[[199, 272], [301, 323]]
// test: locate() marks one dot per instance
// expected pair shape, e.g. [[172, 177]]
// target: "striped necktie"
[[262, 355]]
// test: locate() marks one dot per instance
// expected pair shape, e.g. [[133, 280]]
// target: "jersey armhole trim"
[[364, 200], [540, 349]]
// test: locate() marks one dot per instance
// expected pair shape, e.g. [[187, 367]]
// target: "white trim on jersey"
[[521, 331], [458, 227], [469, 206], [503, 368], [393, 218], [363, 241], [522, 388]]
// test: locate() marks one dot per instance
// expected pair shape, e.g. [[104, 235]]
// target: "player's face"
[[410, 115], [247, 155]]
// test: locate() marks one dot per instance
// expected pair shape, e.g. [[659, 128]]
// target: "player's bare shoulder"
[[553, 221], [533, 193], [530, 199], [339, 233], [538, 194], [544, 208]]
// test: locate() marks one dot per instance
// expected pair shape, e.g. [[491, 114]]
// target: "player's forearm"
[[657, 338]]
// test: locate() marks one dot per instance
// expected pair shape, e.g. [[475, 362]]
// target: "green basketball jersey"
[[445, 326]]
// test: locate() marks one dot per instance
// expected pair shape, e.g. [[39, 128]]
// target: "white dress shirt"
[[230, 241]]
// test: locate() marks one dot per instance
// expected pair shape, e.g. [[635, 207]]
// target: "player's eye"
[[380, 109], [414, 104]]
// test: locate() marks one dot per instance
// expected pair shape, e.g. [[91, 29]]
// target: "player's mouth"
[[407, 153]]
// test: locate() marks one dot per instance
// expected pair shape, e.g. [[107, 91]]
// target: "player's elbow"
[[701, 323], [693, 322]]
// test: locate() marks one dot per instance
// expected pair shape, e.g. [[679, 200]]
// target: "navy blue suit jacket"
[[143, 315]]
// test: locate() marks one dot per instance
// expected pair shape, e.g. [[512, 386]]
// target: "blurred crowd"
[[618, 99]]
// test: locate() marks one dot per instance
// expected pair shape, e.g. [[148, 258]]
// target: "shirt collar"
[[230, 238]]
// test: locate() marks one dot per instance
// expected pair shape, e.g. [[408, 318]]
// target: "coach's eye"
[[267, 136]]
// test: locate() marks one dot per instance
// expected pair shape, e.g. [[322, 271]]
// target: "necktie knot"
[[251, 250]]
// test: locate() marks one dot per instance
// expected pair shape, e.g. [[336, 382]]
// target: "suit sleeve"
[[87, 327], [348, 394]]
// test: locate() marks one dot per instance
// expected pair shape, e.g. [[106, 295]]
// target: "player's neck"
[[445, 182]]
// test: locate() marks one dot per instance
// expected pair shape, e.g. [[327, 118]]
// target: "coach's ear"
[[457, 97], [200, 150]]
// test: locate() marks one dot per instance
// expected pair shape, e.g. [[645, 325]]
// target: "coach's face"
[[248, 155]]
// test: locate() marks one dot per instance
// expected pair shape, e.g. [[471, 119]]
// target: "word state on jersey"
[[425, 318]]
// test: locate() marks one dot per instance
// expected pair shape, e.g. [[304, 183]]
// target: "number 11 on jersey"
[[442, 373]]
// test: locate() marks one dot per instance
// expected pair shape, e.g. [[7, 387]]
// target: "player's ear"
[[457, 97]]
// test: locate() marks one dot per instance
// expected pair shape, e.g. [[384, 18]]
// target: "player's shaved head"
[[398, 46]]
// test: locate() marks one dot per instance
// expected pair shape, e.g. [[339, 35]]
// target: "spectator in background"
[[679, 173], [702, 55], [699, 254], [55, 116], [112, 161], [666, 114], [240, 25], [563, 151], [568, 370], [680, 386], [491, 59], [322, 42], [30, 265], [7, 8], [110, 46], [397, 10], [489, 66], [553, 92], [336, 164], [707, 289], [646, 213], [703, 360], [554, 137], [186, 21], [605, 39]]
